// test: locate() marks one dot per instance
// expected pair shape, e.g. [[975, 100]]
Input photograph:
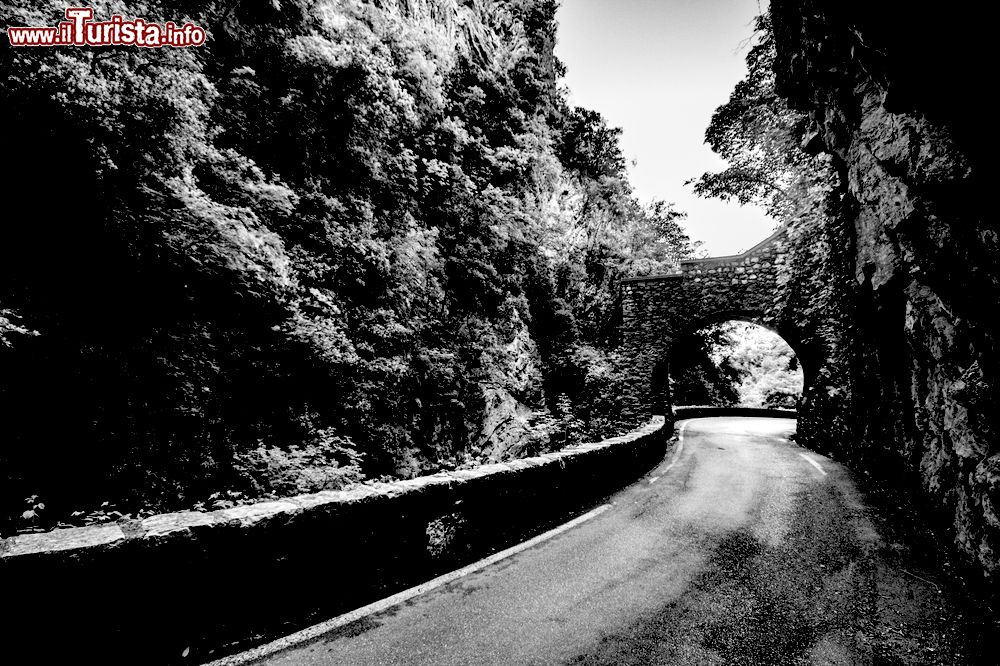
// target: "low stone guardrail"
[[705, 411], [187, 587]]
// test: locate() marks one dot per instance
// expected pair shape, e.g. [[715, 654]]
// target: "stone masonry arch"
[[659, 309]]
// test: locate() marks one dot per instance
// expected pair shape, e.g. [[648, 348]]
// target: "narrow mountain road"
[[740, 548]]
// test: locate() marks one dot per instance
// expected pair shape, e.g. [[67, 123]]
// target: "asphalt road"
[[739, 548]]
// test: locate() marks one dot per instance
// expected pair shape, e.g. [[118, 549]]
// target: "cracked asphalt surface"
[[748, 550]]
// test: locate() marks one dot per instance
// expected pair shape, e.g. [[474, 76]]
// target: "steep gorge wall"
[[335, 275], [891, 96]]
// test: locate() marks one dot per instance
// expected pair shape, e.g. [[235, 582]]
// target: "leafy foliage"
[[761, 139], [768, 370], [699, 374], [735, 363], [327, 463], [301, 255]]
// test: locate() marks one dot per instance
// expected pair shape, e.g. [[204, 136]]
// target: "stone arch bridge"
[[660, 309]]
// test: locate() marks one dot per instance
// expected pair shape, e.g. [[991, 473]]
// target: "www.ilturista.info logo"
[[79, 29]]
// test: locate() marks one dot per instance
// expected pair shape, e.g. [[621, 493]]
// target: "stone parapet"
[[186, 587]]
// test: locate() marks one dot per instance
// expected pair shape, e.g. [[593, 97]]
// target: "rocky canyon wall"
[[895, 95]]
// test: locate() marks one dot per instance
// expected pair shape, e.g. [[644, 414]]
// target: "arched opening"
[[734, 359]]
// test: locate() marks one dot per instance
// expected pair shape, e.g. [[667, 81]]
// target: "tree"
[[760, 137], [329, 239]]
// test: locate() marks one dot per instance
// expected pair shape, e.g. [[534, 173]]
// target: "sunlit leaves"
[[11, 328], [338, 227], [759, 135]]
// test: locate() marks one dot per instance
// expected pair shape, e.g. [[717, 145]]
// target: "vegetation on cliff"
[[334, 243], [735, 363], [766, 145]]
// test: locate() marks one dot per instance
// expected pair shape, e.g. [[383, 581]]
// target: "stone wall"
[[746, 281], [659, 309], [186, 587], [895, 97], [709, 411]]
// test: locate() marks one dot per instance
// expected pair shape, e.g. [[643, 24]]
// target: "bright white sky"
[[658, 69]]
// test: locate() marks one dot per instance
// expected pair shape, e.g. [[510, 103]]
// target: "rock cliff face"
[[503, 426], [891, 96]]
